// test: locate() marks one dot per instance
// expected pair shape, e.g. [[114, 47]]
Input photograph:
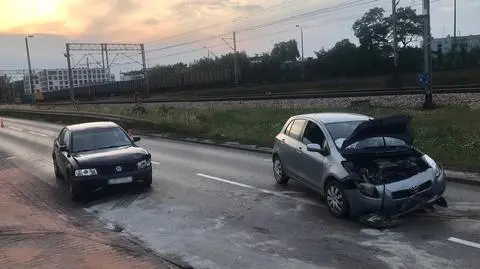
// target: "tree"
[[409, 26], [372, 30], [285, 51], [341, 60]]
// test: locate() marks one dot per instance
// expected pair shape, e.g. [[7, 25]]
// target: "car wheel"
[[55, 169], [337, 201], [75, 191], [279, 172], [147, 184]]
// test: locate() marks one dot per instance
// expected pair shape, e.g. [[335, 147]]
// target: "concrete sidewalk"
[[39, 229]]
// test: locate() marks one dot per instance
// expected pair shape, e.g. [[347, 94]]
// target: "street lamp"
[[303, 59], [32, 90], [208, 49]]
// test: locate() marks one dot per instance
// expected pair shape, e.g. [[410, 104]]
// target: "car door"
[[63, 159], [56, 145], [291, 145], [312, 165]]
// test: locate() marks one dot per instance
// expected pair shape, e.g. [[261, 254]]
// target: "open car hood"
[[393, 126]]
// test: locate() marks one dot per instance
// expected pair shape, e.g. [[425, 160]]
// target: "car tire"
[[337, 200], [76, 193], [279, 171], [58, 175], [147, 185]]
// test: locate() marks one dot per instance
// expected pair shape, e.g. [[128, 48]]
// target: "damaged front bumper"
[[386, 207], [388, 219]]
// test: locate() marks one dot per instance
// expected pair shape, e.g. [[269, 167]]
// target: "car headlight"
[[86, 172], [143, 164], [437, 170]]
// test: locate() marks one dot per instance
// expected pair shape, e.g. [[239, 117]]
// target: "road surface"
[[212, 207]]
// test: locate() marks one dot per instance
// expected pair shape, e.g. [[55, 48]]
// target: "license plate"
[[120, 180]]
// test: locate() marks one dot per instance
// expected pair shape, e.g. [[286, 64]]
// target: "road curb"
[[463, 177]]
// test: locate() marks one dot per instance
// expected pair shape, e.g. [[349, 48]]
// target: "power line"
[[321, 11], [255, 13]]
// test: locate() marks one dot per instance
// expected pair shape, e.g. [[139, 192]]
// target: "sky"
[[197, 24]]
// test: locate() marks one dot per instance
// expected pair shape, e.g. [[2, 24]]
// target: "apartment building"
[[445, 44], [49, 80]]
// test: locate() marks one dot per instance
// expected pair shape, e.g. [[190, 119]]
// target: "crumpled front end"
[[399, 198]]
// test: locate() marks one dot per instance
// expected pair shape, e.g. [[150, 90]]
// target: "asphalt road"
[[219, 208]]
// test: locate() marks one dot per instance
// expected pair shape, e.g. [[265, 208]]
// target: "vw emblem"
[[414, 189], [118, 169]]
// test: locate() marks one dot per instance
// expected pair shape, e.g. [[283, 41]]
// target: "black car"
[[94, 155]]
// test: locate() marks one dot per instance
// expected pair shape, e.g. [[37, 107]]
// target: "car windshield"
[[99, 139], [342, 130]]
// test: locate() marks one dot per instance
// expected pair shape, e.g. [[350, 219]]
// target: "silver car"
[[360, 165]]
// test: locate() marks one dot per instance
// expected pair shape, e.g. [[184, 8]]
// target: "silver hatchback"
[[359, 164]]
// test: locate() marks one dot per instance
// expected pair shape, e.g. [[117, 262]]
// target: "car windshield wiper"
[[116, 146]]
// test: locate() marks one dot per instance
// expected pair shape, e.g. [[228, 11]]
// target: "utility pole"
[[454, 45], [88, 79], [234, 48], [427, 54], [303, 59], [395, 42], [70, 74], [235, 57], [30, 78], [145, 72]]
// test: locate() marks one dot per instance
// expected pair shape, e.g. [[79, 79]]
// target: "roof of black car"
[[92, 125]]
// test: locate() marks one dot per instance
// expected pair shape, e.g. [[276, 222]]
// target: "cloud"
[[151, 21]]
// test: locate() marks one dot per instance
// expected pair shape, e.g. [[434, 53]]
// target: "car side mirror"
[[136, 139], [318, 148], [63, 148]]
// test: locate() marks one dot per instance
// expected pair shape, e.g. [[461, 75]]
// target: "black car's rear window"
[[99, 139]]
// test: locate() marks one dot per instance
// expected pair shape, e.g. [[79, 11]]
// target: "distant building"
[[49, 80], [445, 44], [132, 75]]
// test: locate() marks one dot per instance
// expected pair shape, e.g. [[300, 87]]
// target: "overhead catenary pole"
[[70, 74], [145, 71], [395, 41], [303, 58], [427, 54], [30, 73], [235, 57], [454, 45]]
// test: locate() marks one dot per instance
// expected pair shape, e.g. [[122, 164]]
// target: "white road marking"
[[279, 194], [39, 134], [15, 128], [464, 242], [267, 160], [154, 162], [11, 158]]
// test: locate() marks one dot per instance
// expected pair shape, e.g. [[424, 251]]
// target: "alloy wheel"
[[335, 198]]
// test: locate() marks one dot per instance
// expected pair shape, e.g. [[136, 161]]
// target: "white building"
[[445, 44], [132, 75], [49, 80]]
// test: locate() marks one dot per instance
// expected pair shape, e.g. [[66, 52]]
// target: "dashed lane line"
[[15, 128], [464, 242], [278, 194], [155, 162], [11, 158], [39, 134]]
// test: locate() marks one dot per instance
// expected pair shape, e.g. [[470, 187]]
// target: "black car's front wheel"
[[58, 175], [337, 200], [76, 192]]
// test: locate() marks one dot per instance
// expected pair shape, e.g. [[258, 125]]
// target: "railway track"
[[296, 95]]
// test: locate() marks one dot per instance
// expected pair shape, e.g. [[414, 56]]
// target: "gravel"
[[404, 101]]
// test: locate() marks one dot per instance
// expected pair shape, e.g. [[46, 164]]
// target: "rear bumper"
[[138, 177], [361, 204]]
